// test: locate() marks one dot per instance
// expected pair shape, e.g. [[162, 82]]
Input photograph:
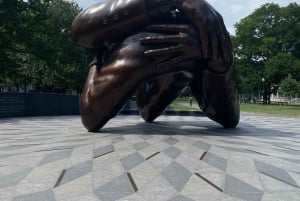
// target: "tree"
[[267, 44], [290, 87], [37, 48]]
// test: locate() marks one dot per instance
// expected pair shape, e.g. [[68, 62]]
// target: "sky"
[[231, 10]]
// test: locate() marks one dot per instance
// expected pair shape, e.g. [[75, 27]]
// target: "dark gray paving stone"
[[216, 161], [131, 161], [56, 156], [239, 189], [171, 140], [77, 171], [115, 189], [140, 145], [176, 175], [173, 152], [202, 145], [13, 179], [180, 198], [275, 172], [103, 150], [40, 196]]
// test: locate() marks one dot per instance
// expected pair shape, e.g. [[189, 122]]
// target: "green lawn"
[[176, 106], [277, 110]]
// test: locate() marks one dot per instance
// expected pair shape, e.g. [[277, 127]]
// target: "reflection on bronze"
[[156, 48]]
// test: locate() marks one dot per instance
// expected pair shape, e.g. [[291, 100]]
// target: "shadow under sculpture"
[[155, 48]]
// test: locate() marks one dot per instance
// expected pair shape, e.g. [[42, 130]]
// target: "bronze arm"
[[113, 20]]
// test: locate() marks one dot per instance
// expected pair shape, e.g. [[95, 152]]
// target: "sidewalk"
[[178, 158]]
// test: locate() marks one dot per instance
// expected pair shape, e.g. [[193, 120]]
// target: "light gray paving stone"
[[180, 198], [40, 196]]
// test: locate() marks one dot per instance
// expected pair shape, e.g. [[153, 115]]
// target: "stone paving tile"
[[176, 159]]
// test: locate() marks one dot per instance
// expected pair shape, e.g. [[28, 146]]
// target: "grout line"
[[103, 154], [152, 155], [287, 148], [209, 182], [203, 155], [257, 152], [52, 149], [132, 182], [60, 178]]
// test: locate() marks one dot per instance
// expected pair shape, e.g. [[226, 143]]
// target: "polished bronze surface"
[[156, 48]]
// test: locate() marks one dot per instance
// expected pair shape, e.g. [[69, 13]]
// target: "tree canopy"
[[36, 47], [267, 44]]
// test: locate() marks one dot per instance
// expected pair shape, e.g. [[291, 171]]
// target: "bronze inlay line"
[[52, 149], [60, 178], [278, 179], [287, 148], [257, 152], [152, 155], [132, 182], [209, 182], [203, 155], [103, 154]]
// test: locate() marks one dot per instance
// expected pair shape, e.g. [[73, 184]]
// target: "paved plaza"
[[178, 158]]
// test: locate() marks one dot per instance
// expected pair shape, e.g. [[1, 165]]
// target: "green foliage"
[[267, 44], [36, 48], [289, 86]]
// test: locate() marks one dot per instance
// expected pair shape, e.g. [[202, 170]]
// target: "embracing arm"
[[113, 20]]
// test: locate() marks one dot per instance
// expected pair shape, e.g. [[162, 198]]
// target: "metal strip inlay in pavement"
[[134, 186], [60, 178], [209, 182]]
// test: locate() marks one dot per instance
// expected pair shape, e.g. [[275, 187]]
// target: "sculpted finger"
[[175, 28], [171, 62], [164, 51], [180, 38]]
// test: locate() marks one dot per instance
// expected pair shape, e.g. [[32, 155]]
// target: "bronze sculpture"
[[155, 48]]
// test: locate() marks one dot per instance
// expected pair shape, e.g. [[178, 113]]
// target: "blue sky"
[[232, 10]]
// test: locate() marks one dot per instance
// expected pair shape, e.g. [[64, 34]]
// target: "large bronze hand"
[[182, 40], [215, 43]]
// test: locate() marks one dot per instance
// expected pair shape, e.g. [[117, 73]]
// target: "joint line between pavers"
[[132, 182], [209, 182]]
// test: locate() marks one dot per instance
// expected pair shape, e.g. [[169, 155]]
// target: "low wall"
[[37, 104]]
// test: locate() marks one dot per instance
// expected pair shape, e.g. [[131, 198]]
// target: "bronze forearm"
[[112, 20]]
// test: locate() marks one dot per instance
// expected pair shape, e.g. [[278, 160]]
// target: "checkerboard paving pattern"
[[178, 158]]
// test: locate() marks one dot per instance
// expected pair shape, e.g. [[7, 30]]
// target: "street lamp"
[[263, 80]]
